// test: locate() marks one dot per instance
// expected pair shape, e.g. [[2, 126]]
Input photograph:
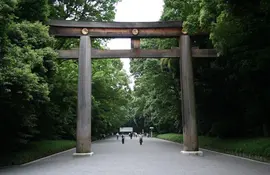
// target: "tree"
[[83, 9], [32, 10], [23, 80]]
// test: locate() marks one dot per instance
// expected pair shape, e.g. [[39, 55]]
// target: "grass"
[[254, 148], [39, 149]]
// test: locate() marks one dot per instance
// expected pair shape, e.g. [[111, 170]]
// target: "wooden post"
[[83, 146], [135, 43], [188, 99]]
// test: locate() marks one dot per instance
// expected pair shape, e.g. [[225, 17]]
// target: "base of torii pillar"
[[83, 154], [192, 153]]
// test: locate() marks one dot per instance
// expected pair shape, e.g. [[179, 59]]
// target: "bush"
[[171, 137]]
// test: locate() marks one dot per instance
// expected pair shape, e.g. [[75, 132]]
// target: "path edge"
[[52, 155]]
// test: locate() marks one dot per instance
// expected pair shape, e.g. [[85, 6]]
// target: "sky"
[[134, 11]]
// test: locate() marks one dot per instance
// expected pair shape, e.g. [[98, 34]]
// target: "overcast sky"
[[134, 11]]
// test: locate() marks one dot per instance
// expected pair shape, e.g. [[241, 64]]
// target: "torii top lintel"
[[161, 29]]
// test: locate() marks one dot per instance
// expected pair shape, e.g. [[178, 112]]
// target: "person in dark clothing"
[[141, 139], [123, 139]]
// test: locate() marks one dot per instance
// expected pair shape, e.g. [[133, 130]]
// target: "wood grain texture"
[[83, 130], [189, 120], [135, 43]]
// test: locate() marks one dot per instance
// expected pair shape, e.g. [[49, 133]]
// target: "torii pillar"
[[83, 134], [189, 121]]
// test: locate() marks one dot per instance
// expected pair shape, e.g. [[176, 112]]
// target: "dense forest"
[[39, 91], [232, 91]]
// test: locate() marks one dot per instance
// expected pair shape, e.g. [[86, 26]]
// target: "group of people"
[[130, 135]]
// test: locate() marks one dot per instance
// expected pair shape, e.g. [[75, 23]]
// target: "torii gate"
[[134, 30]]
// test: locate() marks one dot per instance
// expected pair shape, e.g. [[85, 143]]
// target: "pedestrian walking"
[[131, 134], [141, 139], [123, 139]]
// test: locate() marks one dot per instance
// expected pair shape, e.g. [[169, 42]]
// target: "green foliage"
[[58, 118], [33, 10], [39, 149], [110, 93], [155, 96], [83, 10], [33, 35], [254, 148], [23, 81], [171, 137], [7, 8]]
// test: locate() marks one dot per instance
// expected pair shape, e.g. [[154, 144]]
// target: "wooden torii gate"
[[134, 30]]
